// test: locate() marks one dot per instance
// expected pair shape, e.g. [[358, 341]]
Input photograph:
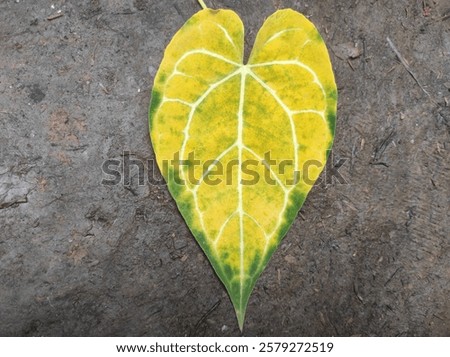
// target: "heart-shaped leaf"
[[241, 145]]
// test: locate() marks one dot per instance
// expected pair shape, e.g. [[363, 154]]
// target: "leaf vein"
[[321, 113], [267, 236], [295, 63], [276, 177], [216, 161], [280, 33], [227, 35], [239, 183], [186, 139], [286, 109], [201, 51], [222, 228]]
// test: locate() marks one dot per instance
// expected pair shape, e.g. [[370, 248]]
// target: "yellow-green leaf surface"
[[206, 102]]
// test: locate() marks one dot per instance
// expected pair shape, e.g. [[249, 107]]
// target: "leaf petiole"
[[202, 4]]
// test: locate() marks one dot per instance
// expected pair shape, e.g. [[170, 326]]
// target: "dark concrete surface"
[[367, 257]]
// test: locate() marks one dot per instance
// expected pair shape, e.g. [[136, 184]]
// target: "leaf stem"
[[202, 4]]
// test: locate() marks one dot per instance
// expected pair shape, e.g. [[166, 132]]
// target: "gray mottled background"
[[370, 257]]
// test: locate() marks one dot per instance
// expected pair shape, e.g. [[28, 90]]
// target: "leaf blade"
[[206, 101]]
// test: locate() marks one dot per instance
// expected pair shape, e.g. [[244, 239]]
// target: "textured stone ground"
[[369, 257]]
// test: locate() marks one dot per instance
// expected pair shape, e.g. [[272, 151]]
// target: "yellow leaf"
[[241, 145]]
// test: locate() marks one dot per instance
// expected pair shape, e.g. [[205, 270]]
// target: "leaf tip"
[[240, 314]]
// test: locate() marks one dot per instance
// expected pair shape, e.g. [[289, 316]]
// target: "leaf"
[[213, 120]]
